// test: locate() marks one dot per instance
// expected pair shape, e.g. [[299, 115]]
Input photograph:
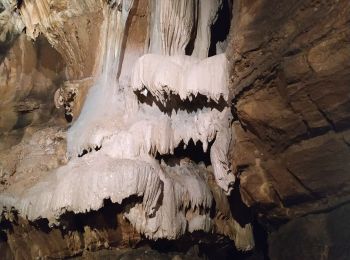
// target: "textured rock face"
[[71, 27], [323, 235], [290, 79], [30, 72], [135, 82]]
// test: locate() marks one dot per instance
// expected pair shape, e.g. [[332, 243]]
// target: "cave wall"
[[290, 81], [321, 235], [289, 85]]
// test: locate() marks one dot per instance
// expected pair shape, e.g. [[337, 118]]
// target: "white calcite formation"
[[185, 76], [128, 134], [207, 15], [171, 25]]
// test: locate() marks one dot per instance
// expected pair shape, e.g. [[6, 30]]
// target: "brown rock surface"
[[31, 129], [319, 236], [71, 27], [291, 82]]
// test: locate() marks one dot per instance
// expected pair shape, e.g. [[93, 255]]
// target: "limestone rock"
[[290, 78]]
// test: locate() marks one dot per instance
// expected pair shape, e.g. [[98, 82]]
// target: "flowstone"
[[129, 136]]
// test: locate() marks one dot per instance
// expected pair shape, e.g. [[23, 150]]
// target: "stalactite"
[[172, 23], [128, 134], [182, 75], [207, 14]]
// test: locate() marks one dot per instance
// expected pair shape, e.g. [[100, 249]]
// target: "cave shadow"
[[103, 218], [240, 212], [221, 27], [245, 215], [175, 103], [200, 244], [193, 151]]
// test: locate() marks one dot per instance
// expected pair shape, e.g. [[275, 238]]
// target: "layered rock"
[[290, 78]]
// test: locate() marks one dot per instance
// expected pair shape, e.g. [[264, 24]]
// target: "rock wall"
[[290, 81], [321, 235]]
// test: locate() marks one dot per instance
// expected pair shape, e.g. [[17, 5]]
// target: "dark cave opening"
[[192, 151], [5, 225], [101, 219], [221, 28], [244, 215], [241, 213], [261, 239]]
